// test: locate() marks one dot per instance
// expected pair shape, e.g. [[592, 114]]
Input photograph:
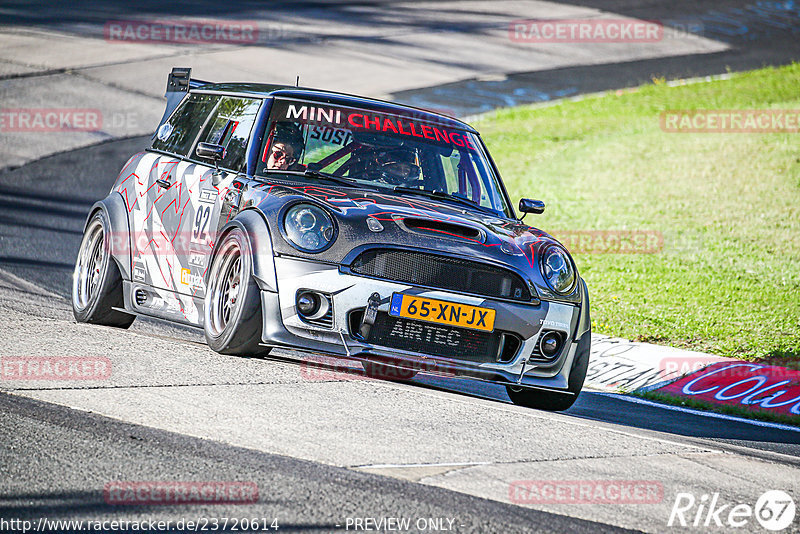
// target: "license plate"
[[442, 312]]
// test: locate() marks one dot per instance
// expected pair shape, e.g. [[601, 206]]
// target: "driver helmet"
[[397, 166]]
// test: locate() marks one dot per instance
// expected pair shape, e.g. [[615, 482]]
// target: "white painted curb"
[[622, 366]]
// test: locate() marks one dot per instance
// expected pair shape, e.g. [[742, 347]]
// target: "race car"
[[280, 216]]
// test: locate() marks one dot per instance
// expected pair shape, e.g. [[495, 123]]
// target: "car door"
[[229, 125], [162, 197], [156, 197]]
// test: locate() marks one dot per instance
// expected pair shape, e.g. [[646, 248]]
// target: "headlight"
[[308, 228], [557, 270]]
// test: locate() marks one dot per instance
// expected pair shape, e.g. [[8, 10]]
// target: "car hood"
[[405, 221]]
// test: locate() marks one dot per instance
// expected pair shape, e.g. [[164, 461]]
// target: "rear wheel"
[[552, 400], [96, 282], [233, 318]]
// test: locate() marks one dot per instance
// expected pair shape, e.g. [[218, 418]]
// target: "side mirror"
[[210, 151], [528, 205], [216, 153]]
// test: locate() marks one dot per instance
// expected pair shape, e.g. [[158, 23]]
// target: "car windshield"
[[397, 152]]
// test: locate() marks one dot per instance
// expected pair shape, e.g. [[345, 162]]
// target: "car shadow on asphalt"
[[615, 409]]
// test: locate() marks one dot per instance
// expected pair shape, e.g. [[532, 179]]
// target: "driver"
[[396, 166], [286, 148]]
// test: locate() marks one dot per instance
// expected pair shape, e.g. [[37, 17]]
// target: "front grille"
[[439, 340], [441, 272]]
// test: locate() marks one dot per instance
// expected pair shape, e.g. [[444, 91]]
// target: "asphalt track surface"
[[56, 457], [303, 496]]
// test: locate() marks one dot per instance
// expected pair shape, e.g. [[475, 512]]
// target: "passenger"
[[286, 149]]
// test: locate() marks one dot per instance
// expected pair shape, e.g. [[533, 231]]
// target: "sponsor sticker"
[[197, 259], [208, 196], [139, 271], [745, 384], [193, 280], [164, 131]]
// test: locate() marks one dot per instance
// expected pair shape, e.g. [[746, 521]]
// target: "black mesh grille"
[[441, 272], [434, 340]]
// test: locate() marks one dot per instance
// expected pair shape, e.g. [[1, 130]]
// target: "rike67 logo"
[[774, 511]]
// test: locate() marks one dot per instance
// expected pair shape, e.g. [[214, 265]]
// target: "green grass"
[[737, 411], [727, 280]]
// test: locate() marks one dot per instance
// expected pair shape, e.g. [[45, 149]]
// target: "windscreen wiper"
[[332, 177], [441, 195]]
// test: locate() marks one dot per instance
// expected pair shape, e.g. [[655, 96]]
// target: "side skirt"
[[146, 300]]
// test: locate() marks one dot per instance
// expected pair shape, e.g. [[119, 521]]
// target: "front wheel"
[[555, 401], [233, 319], [96, 282]]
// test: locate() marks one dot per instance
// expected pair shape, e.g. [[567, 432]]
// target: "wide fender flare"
[[113, 207], [583, 336], [584, 319], [252, 223]]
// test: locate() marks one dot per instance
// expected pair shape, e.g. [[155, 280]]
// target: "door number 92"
[[201, 223]]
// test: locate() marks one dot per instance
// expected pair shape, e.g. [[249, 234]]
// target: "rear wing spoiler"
[[179, 82]]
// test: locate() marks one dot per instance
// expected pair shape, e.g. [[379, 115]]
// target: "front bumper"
[[284, 328]]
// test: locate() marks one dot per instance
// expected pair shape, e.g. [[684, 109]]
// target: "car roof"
[[333, 98]]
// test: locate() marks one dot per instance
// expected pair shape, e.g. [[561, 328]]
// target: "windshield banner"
[[365, 120]]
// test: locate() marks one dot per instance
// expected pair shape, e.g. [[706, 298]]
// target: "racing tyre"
[[554, 401], [233, 318], [96, 282], [382, 371]]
